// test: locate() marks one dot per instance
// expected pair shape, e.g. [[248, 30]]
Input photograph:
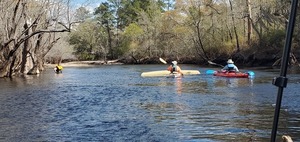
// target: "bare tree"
[[28, 28], [234, 27], [249, 21]]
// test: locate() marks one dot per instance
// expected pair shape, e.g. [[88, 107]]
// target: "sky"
[[90, 4]]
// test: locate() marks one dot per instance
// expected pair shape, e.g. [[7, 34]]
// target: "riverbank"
[[85, 63]]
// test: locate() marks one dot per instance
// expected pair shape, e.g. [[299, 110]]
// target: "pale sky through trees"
[[90, 4]]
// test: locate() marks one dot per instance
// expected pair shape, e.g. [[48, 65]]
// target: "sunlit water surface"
[[114, 103]]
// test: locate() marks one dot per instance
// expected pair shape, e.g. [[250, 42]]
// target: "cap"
[[174, 62], [230, 61]]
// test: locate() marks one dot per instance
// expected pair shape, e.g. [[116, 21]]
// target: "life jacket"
[[231, 68], [174, 68], [59, 67]]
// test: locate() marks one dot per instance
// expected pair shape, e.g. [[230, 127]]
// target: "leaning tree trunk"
[[11, 67], [36, 58], [4, 70], [12, 60], [200, 43], [25, 49], [292, 61]]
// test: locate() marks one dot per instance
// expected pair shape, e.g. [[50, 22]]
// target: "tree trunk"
[[234, 28], [200, 44], [4, 70], [36, 57], [25, 49], [249, 21], [109, 41]]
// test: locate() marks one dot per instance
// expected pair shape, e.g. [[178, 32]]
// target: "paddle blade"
[[251, 73], [210, 72], [162, 60]]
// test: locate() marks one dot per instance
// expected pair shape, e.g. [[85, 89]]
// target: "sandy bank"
[[85, 63]]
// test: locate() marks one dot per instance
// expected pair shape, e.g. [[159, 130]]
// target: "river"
[[114, 103]]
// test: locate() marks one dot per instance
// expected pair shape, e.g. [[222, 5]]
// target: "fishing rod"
[[281, 82]]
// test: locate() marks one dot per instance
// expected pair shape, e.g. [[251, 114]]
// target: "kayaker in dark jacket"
[[58, 69], [230, 67]]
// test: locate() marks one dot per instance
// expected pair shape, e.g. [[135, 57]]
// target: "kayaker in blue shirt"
[[230, 67]]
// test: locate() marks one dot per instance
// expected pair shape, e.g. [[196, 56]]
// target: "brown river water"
[[114, 103]]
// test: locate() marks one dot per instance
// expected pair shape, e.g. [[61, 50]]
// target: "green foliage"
[[88, 40], [105, 14], [124, 47], [131, 35], [133, 31], [129, 11], [209, 29], [273, 39]]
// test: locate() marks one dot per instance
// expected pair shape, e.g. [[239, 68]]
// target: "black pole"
[[281, 81]]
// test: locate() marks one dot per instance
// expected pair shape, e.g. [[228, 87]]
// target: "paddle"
[[162, 60], [213, 71], [251, 74], [212, 63], [210, 72]]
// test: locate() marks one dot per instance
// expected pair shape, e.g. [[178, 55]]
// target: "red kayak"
[[231, 74]]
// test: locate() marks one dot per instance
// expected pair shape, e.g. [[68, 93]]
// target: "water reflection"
[[178, 84], [232, 82]]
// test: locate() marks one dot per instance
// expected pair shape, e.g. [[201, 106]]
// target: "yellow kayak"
[[167, 73]]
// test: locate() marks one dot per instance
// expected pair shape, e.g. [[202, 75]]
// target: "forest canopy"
[[251, 32], [139, 31]]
